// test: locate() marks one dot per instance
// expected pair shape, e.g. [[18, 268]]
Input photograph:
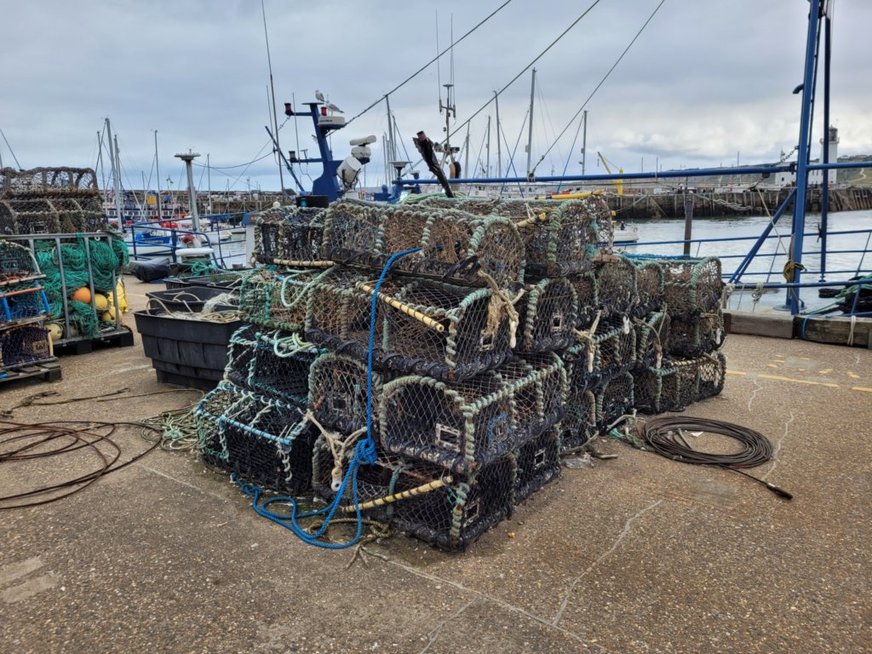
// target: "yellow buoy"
[[55, 331], [101, 302], [122, 297], [108, 315], [82, 295]]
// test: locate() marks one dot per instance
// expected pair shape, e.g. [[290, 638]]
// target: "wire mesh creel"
[[455, 246]]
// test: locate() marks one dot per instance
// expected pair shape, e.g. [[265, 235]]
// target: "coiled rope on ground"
[[665, 436]]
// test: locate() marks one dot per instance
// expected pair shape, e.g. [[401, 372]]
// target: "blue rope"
[[364, 453]]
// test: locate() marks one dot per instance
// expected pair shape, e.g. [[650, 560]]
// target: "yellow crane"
[[619, 183]]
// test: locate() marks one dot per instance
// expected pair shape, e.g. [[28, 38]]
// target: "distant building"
[[816, 177]]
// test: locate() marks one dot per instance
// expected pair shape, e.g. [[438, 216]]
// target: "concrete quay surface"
[[637, 554]]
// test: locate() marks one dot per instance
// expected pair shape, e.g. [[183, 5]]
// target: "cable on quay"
[[23, 442], [665, 436]]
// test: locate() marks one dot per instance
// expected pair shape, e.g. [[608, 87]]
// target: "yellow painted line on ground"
[[861, 388], [786, 379]]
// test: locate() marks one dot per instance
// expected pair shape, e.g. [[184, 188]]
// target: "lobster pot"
[[652, 335], [17, 264], [610, 351], [614, 397], [25, 344], [330, 459], [584, 285], [465, 425], [537, 462], [579, 422], [690, 336], [650, 285], [337, 393], [422, 327], [21, 304], [616, 285], [289, 236], [560, 237], [277, 300], [454, 246], [272, 363], [454, 516], [692, 286], [49, 215], [548, 313], [57, 181], [261, 440], [680, 383], [657, 390]]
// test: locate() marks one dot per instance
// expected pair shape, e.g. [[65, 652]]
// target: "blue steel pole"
[[740, 270], [825, 158], [793, 299]]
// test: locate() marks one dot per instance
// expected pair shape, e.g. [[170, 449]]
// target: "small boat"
[[624, 234]]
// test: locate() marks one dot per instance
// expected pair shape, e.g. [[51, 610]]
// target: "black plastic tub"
[[191, 299], [186, 352], [226, 281]]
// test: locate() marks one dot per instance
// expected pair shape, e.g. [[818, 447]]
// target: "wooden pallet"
[[48, 370], [117, 338]]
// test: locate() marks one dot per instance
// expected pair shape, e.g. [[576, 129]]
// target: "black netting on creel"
[[560, 236], [606, 351], [289, 236], [278, 300], [537, 463], [679, 383], [690, 336], [614, 398], [465, 425], [548, 313], [587, 307], [692, 286], [337, 393], [270, 362], [616, 285], [650, 285], [263, 441], [16, 263], [23, 345], [652, 338], [455, 246], [423, 327]]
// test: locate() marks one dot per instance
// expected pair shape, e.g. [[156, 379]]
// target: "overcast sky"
[[707, 81]]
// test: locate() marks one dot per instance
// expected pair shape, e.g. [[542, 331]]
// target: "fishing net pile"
[[81, 273], [427, 364]]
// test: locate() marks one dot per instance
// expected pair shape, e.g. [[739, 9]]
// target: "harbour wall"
[[708, 204]]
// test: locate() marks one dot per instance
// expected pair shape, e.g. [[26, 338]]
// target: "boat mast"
[[499, 149], [116, 176], [530, 130], [584, 143], [157, 174], [274, 116], [488, 146]]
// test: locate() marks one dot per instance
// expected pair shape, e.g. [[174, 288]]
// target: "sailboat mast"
[[466, 152], [499, 139], [209, 183], [157, 173], [584, 143], [487, 171], [116, 174], [530, 131], [272, 88]]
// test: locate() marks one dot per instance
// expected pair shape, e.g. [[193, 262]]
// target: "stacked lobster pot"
[[679, 360], [466, 343]]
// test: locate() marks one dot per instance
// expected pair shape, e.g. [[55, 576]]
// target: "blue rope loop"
[[364, 454]]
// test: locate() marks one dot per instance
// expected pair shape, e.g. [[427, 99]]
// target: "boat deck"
[[637, 554]]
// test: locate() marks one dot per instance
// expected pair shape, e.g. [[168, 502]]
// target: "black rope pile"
[[23, 443], [665, 436]]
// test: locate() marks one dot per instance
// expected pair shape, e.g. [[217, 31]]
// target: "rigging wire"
[[601, 82], [9, 147], [429, 63]]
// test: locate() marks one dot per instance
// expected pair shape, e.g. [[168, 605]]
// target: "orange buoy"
[[82, 295]]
